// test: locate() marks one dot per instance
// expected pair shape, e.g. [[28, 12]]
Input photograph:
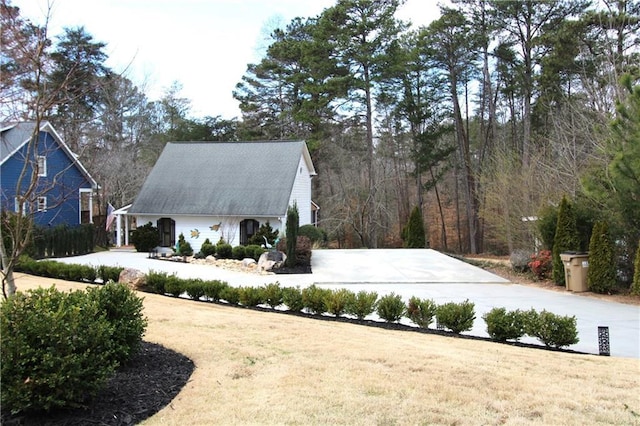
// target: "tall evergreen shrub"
[[293, 223], [566, 238], [414, 233], [635, 286], [601, 275]]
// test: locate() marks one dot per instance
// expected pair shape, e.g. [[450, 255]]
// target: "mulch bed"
[[139, 389]]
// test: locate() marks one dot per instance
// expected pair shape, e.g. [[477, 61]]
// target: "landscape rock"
[[133, 278], [271, 260]]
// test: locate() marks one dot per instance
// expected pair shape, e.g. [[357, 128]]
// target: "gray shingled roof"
[[13, 137], [221, 179]]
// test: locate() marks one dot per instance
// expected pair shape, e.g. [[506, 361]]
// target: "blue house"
[[64, 189]]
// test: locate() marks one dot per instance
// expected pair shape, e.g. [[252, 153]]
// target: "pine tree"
[[566, 238], [601, 275], [414, 237], [635, 286]]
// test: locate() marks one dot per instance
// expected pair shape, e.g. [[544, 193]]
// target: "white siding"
[[301, 193], [196, 229]]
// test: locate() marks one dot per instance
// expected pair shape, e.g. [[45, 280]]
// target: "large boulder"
[[133, 278], [271, 260]]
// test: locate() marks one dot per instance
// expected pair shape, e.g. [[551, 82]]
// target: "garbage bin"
[[576, 266]]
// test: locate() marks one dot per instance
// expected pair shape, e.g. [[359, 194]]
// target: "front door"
[[248, 227], [167, 231]]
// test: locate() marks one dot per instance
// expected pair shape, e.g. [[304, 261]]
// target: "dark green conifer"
[[293, 223], [601, 275], [635, 286], [566, 238], [414, 234]]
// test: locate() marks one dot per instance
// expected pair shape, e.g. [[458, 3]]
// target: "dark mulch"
[[298, 269], [139, 389]]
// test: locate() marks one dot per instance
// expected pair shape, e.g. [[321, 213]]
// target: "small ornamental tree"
[[414, 232], [293, 223], [265, 231], [566, 238], [635, 287], [184, 247], [601, 275]]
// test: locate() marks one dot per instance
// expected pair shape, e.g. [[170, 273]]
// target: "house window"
[[42, 165], [17, 204], [42, 204], [167, 231]]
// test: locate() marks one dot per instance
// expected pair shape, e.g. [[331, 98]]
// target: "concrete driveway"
[[423, 273]]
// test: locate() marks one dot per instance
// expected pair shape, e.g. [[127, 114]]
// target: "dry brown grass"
[[266, 368]]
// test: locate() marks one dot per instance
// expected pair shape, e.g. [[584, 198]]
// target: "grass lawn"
[[266, 368]]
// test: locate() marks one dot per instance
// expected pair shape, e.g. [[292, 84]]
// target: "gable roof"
[[222, 179], [14, 136]]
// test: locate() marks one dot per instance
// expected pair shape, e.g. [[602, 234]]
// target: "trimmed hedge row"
[[550, 329], [68, 271]]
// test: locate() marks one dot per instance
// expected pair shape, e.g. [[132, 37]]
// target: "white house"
[[225, 190]]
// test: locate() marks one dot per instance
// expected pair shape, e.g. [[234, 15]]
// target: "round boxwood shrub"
[[391, 307], [457, 317], [238, 252], [174, 286], [123, 309], [313, 298], [337, 300], [315, 234], [421, 311], [57, 350], [364, 303], [503, 325], [292, 297], [224, 251], [551, 329], [272, 294]]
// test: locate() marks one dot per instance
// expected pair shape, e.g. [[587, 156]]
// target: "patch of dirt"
[[139, 389]]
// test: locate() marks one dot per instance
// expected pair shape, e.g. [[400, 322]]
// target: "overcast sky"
[[203, 44]]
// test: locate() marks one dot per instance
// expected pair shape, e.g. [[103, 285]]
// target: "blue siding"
[[63, 198]]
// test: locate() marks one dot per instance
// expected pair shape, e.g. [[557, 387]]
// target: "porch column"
[[118, 231]]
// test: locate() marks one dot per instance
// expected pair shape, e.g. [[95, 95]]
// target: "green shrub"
[[337, 300], [635, 286], [457, 317], [601, 274], [364, 303], [213, 289], [224, 251], [238, 252], [551, 329], [315, 234], [156, 282], [421, 311], [174, 286], [207, 249], [230, 294], [313, 298], [254, 251], [145, 237], [184, 246], [265, 231], [272, 294], [56, 350], [195, 288], [123, 309], [292, 297], [250, 296], [503, 325], [391, 307], [109, 273]]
